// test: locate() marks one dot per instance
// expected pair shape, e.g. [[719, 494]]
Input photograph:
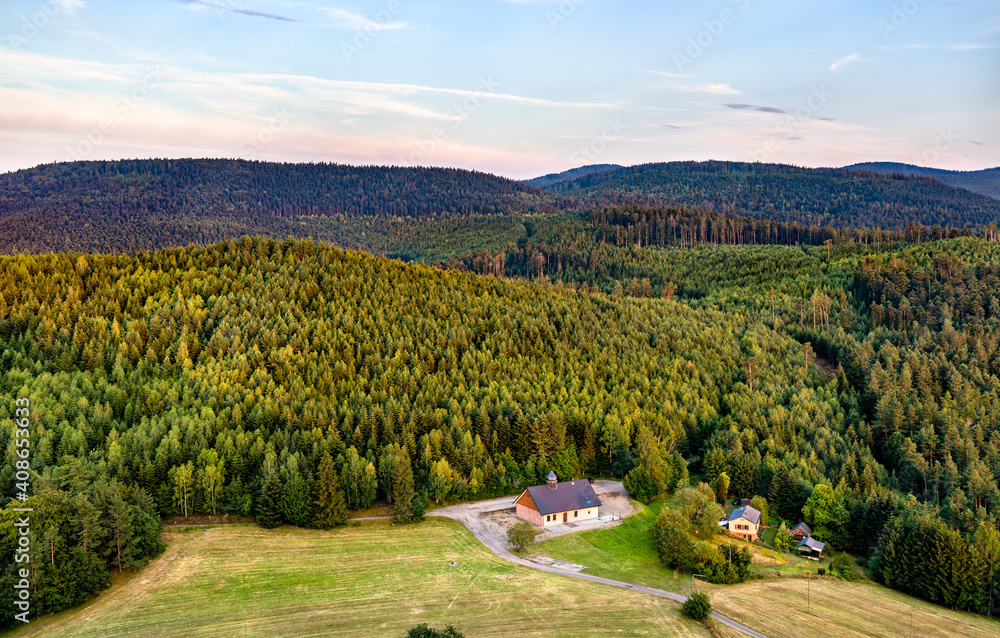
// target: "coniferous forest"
[[293, 381]]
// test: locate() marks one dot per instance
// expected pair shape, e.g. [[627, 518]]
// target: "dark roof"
[[811, 543], [805, 529], [746, 512], [568, 495]]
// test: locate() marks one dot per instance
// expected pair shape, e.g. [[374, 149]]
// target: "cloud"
[[671, 75], [358, 22], [976, 143], [712, 89], [989, 27], [944, 47], [246, 12], [674, 126], [70, 6], [844, 61], [754, 107]]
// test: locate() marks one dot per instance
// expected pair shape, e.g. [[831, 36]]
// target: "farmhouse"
[[801, 531], [558, 503], [743, 522]]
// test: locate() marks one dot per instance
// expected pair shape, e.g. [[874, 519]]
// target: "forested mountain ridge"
[[431, 213], [777, 192], [554, 178], [985, 182], [132, 205]]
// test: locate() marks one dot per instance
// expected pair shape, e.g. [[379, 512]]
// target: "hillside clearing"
[[364, 580]]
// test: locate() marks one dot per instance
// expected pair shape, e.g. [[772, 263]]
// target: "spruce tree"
[[268, 515], [329, 508], [295, 503], [402, 487]]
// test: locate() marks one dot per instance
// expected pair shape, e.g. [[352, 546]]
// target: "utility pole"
[[694, 588]]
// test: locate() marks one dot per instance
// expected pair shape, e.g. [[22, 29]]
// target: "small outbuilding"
[[811, 547], [801, 531], [558, 503]]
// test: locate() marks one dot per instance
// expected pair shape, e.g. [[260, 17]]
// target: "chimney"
[[551, 480]]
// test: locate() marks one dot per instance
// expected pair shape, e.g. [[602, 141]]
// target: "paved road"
[[469, 515]]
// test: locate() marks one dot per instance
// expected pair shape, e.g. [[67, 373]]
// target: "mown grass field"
[[774, 606], [777, 607], [363, 580]]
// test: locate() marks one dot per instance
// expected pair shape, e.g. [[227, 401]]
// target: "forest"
[[415, 213], [782, 193], [251, 376], [849, 375], [130, 205]]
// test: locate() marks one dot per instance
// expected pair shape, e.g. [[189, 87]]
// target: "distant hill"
[[554, 178], [985, 182], [147, 204], [843, 198]]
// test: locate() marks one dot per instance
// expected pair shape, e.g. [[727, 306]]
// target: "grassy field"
[[777, 607], [364, 580], [774, 606], [625, 552]]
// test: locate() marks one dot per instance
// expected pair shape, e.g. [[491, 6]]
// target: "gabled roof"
[[811, 543], [802, 527], [746, 512], [566, 496]]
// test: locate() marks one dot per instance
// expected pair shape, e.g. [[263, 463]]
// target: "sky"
[[518, 88]]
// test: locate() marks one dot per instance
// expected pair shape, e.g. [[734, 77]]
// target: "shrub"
[[639, 484], [851, 574], [423, 631], [784, 540], [821, 571], [521, 535], [697, 607]]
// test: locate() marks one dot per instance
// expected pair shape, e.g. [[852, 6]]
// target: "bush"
[[639, 484], [821, 571], [784, 540], [697, 607], [521, 535], [423, 631], [851, 574]]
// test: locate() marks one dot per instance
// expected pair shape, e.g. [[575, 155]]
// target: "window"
[[547, 518], [576, 513]]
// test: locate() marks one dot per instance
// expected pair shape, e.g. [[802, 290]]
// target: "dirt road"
[[493, 535]]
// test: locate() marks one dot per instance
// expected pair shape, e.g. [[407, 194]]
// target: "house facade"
[[558, 503], [744, 522]]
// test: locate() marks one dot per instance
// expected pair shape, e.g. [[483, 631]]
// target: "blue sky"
[[515, 87]]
